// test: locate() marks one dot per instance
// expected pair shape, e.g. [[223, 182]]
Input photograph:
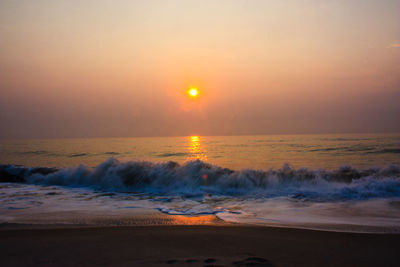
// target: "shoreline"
[[193, 245], [334, 228], [152, 218]]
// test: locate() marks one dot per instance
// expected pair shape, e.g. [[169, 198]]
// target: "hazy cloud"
[[394, 46]]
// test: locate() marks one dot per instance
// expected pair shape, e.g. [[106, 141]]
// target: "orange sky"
[[123, 68]]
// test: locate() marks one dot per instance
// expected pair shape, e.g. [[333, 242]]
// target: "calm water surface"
[[236, 152]]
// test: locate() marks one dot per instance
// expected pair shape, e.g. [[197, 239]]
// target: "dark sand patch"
[[194, 246]]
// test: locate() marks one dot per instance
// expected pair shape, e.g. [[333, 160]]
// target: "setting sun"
[[193, 92]]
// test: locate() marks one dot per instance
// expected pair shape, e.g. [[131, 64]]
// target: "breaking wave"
[[199, 178]]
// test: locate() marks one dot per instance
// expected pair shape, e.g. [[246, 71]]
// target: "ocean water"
[[330, 182]]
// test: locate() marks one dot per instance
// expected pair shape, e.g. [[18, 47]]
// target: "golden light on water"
[[195, 220], [196, 149]]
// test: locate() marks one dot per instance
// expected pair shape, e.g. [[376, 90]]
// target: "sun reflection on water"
[[195, 220], [196, 149]]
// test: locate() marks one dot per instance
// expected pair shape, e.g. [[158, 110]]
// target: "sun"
[[193, 92]]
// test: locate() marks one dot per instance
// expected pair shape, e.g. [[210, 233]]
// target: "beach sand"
[[193, 246]]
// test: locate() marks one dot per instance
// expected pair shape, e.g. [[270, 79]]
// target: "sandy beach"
[[192, 246]]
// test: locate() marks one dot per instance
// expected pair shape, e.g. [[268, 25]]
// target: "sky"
[[123, 68]]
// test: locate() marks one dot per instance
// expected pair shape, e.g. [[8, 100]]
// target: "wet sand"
[[194, 246]]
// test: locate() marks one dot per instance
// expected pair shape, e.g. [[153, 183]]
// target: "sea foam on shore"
[[123, 191]]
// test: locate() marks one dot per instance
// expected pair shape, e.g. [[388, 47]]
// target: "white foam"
[[283, 197]]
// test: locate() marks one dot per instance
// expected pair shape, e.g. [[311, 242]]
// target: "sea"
[[336, 182]]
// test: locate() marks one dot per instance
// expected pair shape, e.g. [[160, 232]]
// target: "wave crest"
[[198, 177]]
